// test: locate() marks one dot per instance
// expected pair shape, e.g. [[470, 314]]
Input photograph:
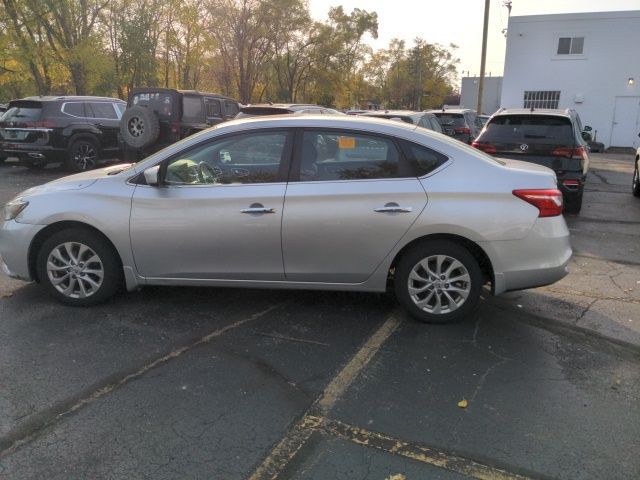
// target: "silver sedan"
[[308, 202]]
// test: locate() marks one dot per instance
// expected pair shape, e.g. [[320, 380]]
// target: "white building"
[[491, 93], [586, 61]]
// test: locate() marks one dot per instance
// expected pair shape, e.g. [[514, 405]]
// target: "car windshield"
[[528, 129]]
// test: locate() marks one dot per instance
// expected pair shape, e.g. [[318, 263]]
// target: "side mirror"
[[151, 175], [587, 128], [586, 136]]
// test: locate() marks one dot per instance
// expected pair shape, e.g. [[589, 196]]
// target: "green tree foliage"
[[253, 50]]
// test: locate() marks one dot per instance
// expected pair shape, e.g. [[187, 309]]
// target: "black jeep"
[[157, 117]]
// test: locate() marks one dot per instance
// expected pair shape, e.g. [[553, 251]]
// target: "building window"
[[570, 45], [541, 99]]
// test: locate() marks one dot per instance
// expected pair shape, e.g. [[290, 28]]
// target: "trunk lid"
[[21, 124]]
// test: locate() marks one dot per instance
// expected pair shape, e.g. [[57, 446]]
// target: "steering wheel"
[[206, 173]]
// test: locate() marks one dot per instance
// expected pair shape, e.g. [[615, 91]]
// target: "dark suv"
[[157, 117], [553, 138], [460, 123], [75, 130]]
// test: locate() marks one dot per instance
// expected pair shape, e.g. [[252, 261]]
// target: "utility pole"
[[484, 55]]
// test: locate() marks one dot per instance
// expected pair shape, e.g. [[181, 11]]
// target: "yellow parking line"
[[298, 435], [420, 453]]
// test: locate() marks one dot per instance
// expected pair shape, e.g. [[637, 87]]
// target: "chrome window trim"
[[118, 116]]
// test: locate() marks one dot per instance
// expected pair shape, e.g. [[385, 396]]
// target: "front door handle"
[[393, 207], [258, 208]]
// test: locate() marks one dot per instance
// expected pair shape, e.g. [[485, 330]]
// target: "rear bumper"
[[32, 153], [539, 259]]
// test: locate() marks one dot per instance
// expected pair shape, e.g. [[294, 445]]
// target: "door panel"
[[625, 122], [332, 233], [201, 232]]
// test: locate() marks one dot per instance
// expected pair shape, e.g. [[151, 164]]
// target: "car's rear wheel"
[[83, 155], [139, 127], [79, 267], [636, 179], [438, 282]]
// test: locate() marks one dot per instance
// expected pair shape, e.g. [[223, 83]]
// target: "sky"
[[459, 22]]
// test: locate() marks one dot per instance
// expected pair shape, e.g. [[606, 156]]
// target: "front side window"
[[332, 155], [570, 45], [101, 110], [231, 108], [239, 159]]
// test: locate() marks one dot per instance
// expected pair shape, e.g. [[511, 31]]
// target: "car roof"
[[68, 98], [288, 106], [405, 113], [173, 90], [451, 110], [537, 111]]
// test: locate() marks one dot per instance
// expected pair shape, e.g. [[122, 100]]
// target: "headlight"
[[13, 208]]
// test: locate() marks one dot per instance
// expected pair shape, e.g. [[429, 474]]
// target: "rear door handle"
[[393, 208]]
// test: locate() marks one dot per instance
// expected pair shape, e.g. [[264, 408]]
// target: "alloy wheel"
[[136, 127], [439, 284], [85, 156], [75, 270]]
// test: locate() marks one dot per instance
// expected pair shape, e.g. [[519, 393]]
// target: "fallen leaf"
[[397, 476], [463, 403]]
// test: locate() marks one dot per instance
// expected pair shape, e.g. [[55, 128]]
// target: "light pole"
[[484, 55]]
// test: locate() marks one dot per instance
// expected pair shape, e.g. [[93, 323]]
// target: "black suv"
[[422, 119], [553, 138], [157, 117], [75, 130], [460, 123]]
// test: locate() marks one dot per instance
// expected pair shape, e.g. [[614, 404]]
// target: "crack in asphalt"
[[600, 177], [579, 293], [41, 422], [585, 311]]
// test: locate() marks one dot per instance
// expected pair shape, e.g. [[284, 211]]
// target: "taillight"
[[570, 152], [459, 130], [548, 201], [485, 147]]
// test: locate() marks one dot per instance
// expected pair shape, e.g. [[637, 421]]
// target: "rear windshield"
[[528, 129], [451, 119], [23, 112], [161, 103]]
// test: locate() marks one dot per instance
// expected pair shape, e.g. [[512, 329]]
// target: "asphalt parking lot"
[[178, 383]]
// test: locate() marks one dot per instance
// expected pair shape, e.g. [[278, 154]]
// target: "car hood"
[[77, 181]]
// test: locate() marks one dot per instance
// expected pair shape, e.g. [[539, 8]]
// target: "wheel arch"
[[45, 233], [476, 250], [84, 136]]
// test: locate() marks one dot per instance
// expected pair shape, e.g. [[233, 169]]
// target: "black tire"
[[573, 204], [139, 127], [421, 253], [108, 259], [82, 155], [635, 187]]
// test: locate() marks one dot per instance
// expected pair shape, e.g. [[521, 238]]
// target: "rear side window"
[[331, 155], [161, 103], [451, 119], [231, 108], [213, 107], [192, 109], [23, 112], [101, 110], [422, 159], [528, 129], [75, 109]]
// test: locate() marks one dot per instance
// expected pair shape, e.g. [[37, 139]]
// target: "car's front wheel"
[[79, 267], [438, 282], [636, 179]]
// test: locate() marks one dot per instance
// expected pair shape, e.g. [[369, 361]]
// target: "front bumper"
[[15, 240]]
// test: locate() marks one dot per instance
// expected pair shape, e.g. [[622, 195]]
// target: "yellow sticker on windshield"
[[347, 142]]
